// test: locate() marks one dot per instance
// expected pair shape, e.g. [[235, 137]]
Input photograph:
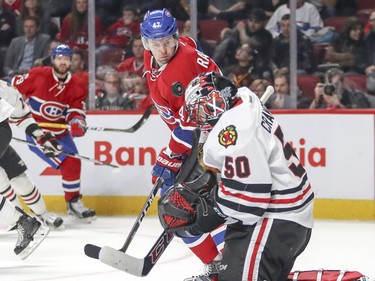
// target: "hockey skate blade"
[[92, 251], [121, 261], [39, 236]]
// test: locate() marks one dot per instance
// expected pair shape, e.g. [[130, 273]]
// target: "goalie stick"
[[142, 266], [132, 129]]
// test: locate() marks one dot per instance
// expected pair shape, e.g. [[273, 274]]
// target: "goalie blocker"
[[186, 209]]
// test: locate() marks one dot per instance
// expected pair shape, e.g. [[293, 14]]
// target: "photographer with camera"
[[325, 97]]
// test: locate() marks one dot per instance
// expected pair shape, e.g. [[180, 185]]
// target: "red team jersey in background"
[[186, 64], [51, 100]]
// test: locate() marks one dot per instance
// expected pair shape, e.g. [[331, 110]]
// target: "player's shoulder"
[[42, 70]]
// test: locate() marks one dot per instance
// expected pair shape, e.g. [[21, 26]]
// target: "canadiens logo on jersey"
[[52, 111], [228, 136]]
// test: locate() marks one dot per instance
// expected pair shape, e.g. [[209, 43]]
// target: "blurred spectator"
[[338, 8], [205, 46], [281, 57], [282, 98], [108, 10], [57, 8], [14, 5], [307, 17], [118, 35], [47, 60], [178, 8], [35, 8], [269, 6], [370, 47], [348, 48], [259, 86], [7, 31], [132, 69], [250, 31], [348, 96], [229, 10], [78, 69], [246, 70], [112, 97], [25, 49], [74, 29], [325, 98]]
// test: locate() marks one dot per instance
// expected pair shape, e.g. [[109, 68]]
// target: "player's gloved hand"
[[49, 144], [166, 167], [78, 127]]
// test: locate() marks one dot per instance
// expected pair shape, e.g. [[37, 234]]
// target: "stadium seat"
[[365, 4], [306, 83], [336, 22], [364, 15], [357, 81], [319, 51], [211, 29]]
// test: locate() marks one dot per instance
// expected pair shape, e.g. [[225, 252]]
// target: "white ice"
[[346, 245]]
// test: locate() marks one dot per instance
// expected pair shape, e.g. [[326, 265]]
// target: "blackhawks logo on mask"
[[228, 136]]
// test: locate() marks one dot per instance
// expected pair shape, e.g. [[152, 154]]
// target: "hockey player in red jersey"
[[55, 96], [170, 59], [264, 194]]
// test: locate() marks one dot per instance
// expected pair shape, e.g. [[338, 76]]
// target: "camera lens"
[[329, 89]]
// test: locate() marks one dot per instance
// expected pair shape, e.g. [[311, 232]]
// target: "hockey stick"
[[132, 129], [267, 93], [142, 266], [71, 154], [92, 251]]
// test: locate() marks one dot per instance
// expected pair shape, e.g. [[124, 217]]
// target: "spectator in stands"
[[259, 86], [370, 47], [338, 8], [74, 29], [47, 60], [281, 56], [348, 48], [78, 69], [325, 98], [269, 6], [307, 17], [7, 31], [108, 10], [131, 70], [246, 70], [35, 8], [229, 10], [348, 96], [118, 35], [250, 31], [25, 49], [57, 8], [178, 8], [282, 98], [14, 5], [112, 97]]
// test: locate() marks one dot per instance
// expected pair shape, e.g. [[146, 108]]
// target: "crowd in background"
[[248, 39]]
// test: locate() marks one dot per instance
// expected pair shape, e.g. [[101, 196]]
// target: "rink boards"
[[337, 149]]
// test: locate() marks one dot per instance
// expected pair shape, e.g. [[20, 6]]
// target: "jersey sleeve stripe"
[[254, 188], [291, 190]]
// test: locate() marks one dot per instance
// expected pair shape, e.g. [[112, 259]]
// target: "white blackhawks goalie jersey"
[[261, 175]]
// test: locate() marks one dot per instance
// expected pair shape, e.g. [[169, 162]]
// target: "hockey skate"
[[30, 234], [52, 220], [79, 212], [210, 272]]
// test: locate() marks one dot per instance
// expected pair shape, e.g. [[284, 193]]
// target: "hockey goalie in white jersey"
[[263, 195]]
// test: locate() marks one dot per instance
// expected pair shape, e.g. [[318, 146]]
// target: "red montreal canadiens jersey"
[[51, 100], [186, 64]]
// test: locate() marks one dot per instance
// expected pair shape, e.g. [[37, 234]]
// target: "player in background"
[[30, 231], [13, 179], [55, 96], [168, 59], [264, 194]]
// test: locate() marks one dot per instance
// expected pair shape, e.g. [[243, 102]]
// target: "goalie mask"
[[208, 96]]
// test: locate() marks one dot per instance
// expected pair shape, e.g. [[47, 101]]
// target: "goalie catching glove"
[[188, 213], [48, 143]]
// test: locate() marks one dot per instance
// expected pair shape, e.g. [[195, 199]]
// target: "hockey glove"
[[166, 167], [50, 146], [78, 127]]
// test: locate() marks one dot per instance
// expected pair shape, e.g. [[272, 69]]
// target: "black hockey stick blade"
[[136, 266]]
